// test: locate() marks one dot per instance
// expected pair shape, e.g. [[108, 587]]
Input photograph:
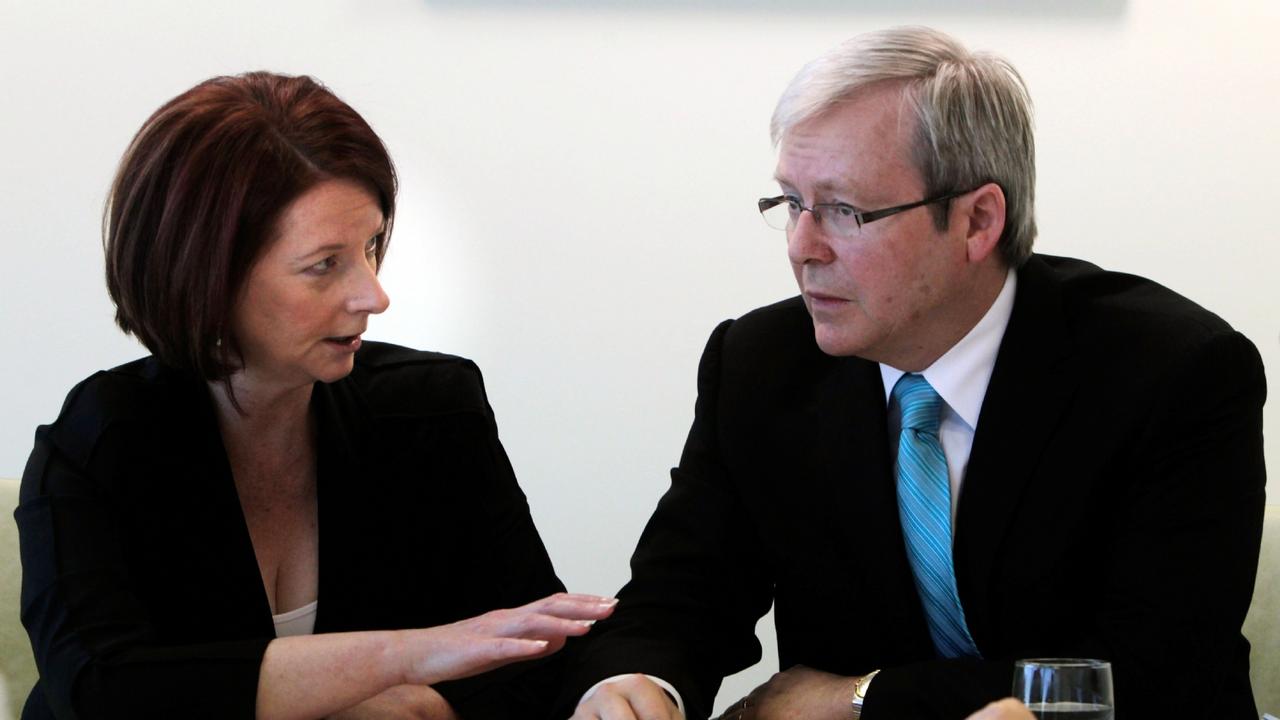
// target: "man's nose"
[[807, 240]]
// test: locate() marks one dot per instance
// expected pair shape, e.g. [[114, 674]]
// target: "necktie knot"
[[920, 404]]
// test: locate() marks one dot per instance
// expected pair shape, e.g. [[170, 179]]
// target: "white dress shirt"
[[960, 377]]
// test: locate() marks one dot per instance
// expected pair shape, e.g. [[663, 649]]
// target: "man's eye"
[[793, 203], [843, 210]]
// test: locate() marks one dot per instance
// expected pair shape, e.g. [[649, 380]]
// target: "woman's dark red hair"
[[197, 196]]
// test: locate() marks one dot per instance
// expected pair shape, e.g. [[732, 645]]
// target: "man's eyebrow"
[[831, 186], [823, 186]]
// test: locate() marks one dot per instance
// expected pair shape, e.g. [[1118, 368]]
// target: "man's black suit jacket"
[[140, 588], [1111, 509]]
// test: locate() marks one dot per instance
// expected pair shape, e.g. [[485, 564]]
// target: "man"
[[948, 453]]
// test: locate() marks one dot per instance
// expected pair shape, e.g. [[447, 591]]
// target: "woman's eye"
[[371, 248], [323, 266]]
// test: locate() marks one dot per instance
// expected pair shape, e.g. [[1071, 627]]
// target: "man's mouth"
[[823, 298]]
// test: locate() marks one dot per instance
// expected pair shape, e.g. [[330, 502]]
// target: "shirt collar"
[[962, 374]]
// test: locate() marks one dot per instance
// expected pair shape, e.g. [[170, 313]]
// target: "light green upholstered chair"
[[17, 668], [1262, 627]]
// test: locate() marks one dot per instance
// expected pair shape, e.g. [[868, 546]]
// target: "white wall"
[[579, 183]]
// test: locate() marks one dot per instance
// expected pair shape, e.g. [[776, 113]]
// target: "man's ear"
[[983, 220]]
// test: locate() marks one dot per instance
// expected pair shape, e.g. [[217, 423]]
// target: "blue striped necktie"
[[924, 507]]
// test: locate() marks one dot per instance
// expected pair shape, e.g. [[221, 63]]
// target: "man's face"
[[883, 294]]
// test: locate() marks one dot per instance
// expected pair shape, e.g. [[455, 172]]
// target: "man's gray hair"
[[973, 112]]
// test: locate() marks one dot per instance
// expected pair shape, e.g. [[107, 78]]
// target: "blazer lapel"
[[1030, 390], [340, 490], [243, 608]]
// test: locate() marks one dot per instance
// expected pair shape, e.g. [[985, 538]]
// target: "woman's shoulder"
[[403, 381], [123, 393], [128, 398]]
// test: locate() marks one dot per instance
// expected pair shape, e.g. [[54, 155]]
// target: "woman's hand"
[[479, 644], [402, 702], [314, 676], [472, 646]]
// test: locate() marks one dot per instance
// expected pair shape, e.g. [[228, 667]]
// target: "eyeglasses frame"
[[860, 217]]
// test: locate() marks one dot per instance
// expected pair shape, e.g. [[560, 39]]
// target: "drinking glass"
[[1065, 688]]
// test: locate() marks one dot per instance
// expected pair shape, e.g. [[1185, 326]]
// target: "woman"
[[269, 516]]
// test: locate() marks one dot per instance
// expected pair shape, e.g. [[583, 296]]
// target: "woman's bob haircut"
[[197, 196]]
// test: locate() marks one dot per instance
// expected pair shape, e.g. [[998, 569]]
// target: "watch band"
[[860, 693]]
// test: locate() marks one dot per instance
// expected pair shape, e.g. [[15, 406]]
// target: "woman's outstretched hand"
[[475, 645], [314, 676]]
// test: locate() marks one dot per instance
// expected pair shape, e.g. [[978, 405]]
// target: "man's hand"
[[634, 697], [402, 702], [1007, 709], [800, 692]]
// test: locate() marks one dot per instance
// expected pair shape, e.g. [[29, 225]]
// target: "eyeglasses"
[[783, 212]]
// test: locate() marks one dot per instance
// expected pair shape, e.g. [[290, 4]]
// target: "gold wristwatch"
[[860, 693]]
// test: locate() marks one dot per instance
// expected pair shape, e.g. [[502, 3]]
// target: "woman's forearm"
[[313, 676], [316, 675]]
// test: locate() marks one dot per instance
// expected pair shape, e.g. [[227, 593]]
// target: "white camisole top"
[[301, 621]]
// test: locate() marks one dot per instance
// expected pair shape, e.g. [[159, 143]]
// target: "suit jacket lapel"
[[852, 458], [1031, 387]]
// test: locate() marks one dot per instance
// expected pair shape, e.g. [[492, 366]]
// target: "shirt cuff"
[[668, 687]]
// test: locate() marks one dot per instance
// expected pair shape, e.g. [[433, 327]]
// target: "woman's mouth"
[[349, 343]]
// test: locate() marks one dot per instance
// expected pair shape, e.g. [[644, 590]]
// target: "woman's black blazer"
[[140, 588]]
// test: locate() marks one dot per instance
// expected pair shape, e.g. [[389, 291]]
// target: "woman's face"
[[308, 297]]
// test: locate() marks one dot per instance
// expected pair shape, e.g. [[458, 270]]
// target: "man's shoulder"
[[772, 352], [396, 380], [1118, 310], [781, 326]]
